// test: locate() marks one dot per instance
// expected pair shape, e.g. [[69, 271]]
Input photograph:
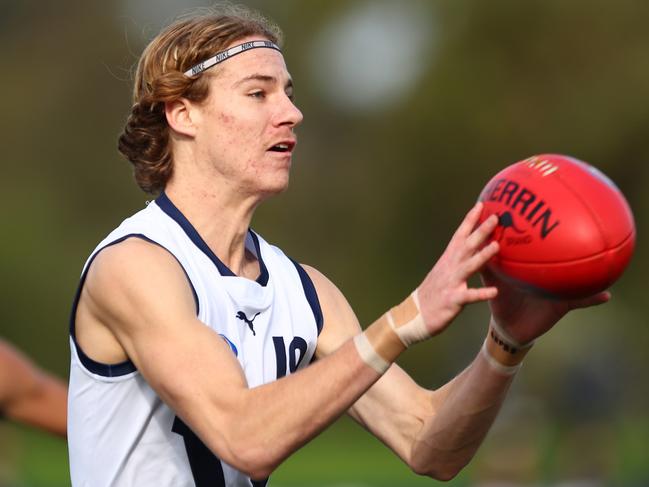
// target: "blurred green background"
[[410, 107]]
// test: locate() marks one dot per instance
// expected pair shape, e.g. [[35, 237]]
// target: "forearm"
[[467, 407], [275, 419], [448, 440], [255, 429], [288, 413], [43, 404]]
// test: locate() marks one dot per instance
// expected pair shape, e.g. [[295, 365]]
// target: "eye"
[[259, 94]]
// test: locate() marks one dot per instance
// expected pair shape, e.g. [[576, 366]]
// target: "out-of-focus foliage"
[[377, 188]]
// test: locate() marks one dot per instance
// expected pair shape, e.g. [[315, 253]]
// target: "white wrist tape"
[[507, 337], [406, 321], [369, 355]]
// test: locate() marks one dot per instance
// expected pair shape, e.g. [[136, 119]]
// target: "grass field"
[[345, 456]]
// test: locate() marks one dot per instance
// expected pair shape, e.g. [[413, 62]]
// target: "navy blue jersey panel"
[[311, 295], [206, 467], [263, 271]]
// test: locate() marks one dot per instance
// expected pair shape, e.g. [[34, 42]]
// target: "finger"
[[475, 295], [597, 299], [470, 221], [482, 233], [478, 260]]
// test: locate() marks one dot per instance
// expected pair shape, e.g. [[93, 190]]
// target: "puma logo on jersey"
[[242, 316]]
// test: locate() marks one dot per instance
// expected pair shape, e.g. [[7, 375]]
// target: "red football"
[[565, 229]]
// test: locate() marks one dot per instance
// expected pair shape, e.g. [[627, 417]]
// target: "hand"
[[525, 316], [444, 291]]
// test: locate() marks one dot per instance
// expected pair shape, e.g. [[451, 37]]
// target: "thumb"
[[594, 300]]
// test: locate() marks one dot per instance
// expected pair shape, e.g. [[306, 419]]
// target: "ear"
[[181, 116]]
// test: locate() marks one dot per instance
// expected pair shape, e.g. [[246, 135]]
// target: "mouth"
[[285, 146]]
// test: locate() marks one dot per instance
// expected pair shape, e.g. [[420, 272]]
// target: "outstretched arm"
[[435, 433], [29, 394], [136, 293]]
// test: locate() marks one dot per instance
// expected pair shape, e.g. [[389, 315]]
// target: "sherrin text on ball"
[[565, 229]]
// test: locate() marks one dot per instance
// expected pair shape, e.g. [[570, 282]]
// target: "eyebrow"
[[263, 78]]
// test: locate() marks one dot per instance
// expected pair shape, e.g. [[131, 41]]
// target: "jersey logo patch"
[[232, 345], [242, 316]]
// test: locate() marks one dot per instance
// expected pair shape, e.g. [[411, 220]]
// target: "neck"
[[222, 216]]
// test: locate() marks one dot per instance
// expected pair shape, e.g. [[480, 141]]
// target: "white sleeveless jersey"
[[120, 433]]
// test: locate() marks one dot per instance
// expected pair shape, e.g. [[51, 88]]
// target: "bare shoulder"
[[130, 257], [321, 282], [133, 284], [137, 303], [137, 267], [340, 321], [332, 300]]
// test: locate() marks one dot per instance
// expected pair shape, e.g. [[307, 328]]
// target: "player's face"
[[246, 128]]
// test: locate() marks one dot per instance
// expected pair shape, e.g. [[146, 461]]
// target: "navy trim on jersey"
[[206, 467], [173, 212], [263, 276], [121, 368], [311, 295]]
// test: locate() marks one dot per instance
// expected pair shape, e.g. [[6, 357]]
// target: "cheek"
[[225, 119], [238, 131]]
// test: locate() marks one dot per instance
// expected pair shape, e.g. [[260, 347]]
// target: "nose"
[[289, 114]]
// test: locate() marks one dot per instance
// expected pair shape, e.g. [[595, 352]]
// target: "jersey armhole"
[[121, 368], [311, 295]]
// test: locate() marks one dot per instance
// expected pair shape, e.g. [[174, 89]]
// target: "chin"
[[273, 188], [280, 188]]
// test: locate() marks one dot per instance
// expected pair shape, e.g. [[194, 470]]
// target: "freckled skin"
[[238, 125], [226, 119]]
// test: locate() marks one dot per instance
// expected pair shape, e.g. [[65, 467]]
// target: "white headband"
[[228, 53]]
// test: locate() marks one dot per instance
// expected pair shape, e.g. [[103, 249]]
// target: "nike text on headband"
[[228, 53]]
